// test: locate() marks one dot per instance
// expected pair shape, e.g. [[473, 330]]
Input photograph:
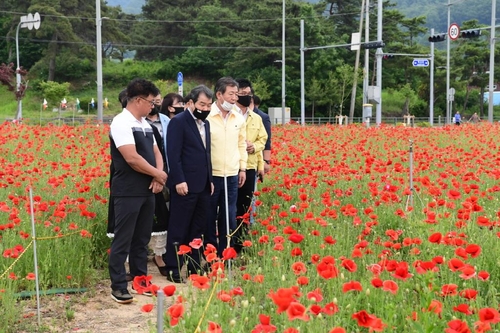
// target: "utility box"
[[367, 110], [276, 115], [374, 94]]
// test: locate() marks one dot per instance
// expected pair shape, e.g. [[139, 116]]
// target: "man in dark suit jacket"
[[190, 181]]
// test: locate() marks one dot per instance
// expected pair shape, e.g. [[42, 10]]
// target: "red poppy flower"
[[302, 280], [142, 284], [467, 272], [352, 285], [175, 312], [377, 282], [30, 276], [184, 249], [337, 330], [196, 243], [264, 326], [401, 271], [315, 295], [224, 296], [349, 265], [457, 326], [296, 238], [229, 253], [365, 319], [436, 307], [282, 298], [449, 290], [330, 308], [200, 282], [489, 315], [473, 249], [299, 268], [297, 311], [296, 252], [483, 275], [214, 327], [455, 264], [169, 290], [463, 308], [390, 286], [435, 237], [468, 294], [147, 307]]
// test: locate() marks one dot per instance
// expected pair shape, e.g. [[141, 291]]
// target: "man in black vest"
[[138, 176]]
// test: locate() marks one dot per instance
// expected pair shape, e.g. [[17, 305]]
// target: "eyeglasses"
[[152, 103], [244, 94]]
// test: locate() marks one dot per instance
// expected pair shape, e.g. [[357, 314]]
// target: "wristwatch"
[[268, 162]]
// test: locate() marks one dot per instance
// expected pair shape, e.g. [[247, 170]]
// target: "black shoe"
[[162, 269], [175, 278], [129, 277], [122, 296]]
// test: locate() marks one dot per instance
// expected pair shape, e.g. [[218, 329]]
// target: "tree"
[[8, 78]]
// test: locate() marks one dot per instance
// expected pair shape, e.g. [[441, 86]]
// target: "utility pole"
[[378, 112], [98, 22], [492, 61], [356, 66]]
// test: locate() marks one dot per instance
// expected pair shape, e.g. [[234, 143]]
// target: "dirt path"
[[95, 311]]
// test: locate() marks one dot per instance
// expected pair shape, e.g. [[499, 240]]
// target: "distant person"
[[138, 176], [190, 181], [458, 118], [229, 161], [266, 120], [474, 118], [256, 137], [172, 105], [159, 123]]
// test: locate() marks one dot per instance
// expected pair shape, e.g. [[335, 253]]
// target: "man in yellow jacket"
[[229, 161], [256, 141]]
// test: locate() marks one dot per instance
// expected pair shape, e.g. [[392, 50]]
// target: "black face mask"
[[155, 110], [202, 115], [178, 109], [244, 100]]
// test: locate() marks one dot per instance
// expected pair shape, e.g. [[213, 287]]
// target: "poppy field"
[[340, 241]]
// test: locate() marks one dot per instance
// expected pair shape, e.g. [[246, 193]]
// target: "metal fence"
[[92, 119]]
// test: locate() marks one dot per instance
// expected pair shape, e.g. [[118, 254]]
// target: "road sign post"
[[454, 31], [180, 79], [420, 62]]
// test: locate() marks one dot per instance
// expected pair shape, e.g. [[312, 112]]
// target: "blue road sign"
[[180, 78], [420, 62]]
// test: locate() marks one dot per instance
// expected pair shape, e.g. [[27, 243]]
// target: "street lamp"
[[31, 22]]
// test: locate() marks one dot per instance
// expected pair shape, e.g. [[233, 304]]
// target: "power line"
[[156, 46], [139, 20]]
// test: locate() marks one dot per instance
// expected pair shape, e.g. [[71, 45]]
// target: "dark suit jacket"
[[189, 161], [267, 125]]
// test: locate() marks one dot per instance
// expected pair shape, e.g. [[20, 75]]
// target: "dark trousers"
[[133, 223], [188, 220], [245, 195], [217, 229]]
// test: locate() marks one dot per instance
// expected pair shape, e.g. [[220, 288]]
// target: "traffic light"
[[388, 56], [437, 38], [373, 45], [471, 33]]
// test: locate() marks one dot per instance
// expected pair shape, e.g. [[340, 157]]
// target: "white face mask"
[[227, 106]]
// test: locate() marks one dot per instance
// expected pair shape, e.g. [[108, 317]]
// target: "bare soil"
[[94, 311]]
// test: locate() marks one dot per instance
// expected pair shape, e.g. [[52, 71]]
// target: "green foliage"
[[54, 92], [120, 74]]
